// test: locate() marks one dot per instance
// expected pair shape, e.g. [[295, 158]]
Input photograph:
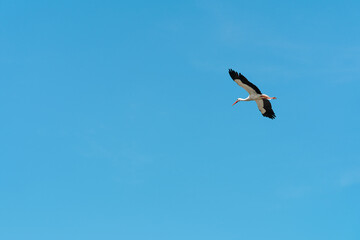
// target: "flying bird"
[[262, 100]]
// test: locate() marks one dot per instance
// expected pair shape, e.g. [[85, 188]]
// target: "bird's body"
[[262, 100]]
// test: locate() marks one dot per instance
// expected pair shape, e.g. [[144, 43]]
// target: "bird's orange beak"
[[235, 102]]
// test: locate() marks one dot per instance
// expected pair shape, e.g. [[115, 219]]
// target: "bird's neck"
[[243, 99]]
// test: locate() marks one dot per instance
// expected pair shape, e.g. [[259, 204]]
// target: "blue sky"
[[117, 120]]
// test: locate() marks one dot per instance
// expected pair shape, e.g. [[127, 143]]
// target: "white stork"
[[262, 100]]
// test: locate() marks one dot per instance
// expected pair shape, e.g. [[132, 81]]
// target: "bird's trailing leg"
[[264, 96]]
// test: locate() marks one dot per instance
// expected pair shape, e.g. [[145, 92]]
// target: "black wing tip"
[[233, 74], [269, 114]]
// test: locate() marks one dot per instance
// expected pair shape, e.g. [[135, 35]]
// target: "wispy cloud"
[[350, 178], [297, 191]]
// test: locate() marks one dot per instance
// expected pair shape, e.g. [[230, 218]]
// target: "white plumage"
[[262, 100]]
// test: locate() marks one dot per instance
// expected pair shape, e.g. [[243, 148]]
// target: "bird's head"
[[237, 100]]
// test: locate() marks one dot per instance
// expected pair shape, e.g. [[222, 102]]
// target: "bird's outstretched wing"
[[243, 82], [265, 108]]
